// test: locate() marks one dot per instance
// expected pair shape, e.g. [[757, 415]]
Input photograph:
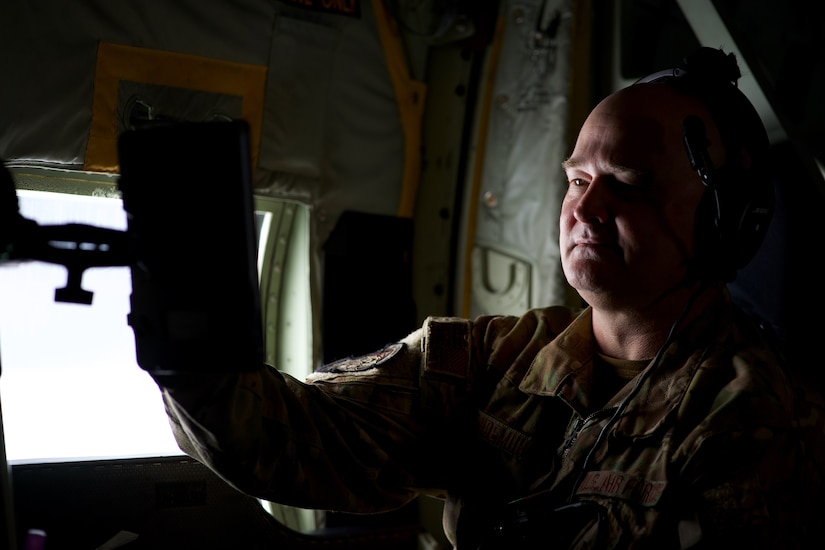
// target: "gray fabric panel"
[[46, 113], [332, 129], [523, 184]]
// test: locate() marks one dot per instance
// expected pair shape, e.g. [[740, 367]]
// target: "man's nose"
[[593, 204]]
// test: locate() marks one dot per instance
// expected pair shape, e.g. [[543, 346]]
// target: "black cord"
[[635, 390]]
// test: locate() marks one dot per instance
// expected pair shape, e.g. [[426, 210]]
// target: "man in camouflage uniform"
[[660, 416]]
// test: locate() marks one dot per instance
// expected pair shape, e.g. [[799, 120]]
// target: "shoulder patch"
[[364, 362]]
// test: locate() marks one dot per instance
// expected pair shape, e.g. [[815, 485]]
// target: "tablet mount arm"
[[75, 246]]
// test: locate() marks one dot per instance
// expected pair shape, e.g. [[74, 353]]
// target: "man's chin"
[[591, 285], [591, 276]]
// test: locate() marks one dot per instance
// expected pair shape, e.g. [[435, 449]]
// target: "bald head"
[[628, 218], [652, 115]]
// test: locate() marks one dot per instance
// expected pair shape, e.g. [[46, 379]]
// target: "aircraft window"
[[284, 267], [70, 385]]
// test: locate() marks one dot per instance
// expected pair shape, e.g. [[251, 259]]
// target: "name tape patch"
[[501, 435], [622, 485]]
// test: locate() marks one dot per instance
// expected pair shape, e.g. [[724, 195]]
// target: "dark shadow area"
[[782, 285], [367, 284], [170, 503]]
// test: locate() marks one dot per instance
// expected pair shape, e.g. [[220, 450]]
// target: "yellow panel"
[[410, 96], [117, 63]]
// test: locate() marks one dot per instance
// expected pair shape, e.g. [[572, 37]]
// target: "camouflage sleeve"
[[755, 464], [357, 437]]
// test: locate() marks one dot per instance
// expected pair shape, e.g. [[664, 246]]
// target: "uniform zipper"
[[579, 425]]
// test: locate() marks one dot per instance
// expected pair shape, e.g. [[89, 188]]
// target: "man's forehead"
[[634, 126], [620, 139]]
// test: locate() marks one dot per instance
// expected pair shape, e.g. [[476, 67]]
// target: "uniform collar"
[[564, 368]]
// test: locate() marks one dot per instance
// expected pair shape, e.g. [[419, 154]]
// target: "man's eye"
[[577, 182]]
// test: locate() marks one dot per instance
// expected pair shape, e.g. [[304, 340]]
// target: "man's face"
[[627, 220]]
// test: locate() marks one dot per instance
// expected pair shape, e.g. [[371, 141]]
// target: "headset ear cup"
[[727, 242], [708, 238], [755, 216]]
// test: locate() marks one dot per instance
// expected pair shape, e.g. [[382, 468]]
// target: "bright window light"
[[70, 386]]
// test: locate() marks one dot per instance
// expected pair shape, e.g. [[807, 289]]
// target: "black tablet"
[[187, 193]]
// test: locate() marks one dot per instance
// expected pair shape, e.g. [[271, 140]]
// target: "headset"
[[738, 203]]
